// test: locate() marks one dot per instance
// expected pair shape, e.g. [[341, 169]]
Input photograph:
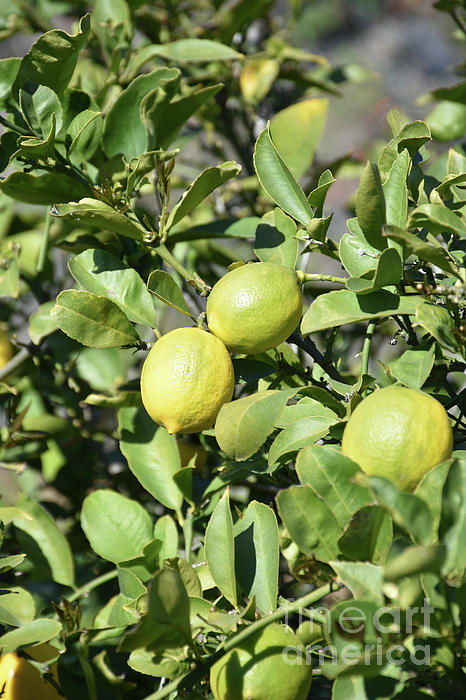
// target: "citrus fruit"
[[6, 349], [268, 665], [186, 378], [399, 434], [255, 307], [19, 680]]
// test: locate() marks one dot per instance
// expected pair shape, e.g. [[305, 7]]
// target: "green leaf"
[[32, 633], [389, 271], [396, 191], [437, 321], [185, 50], [370, 206], [331, 476], [16, 606], [124, 131], [276, 240], [85, 131], [257, 554], [317, 197], [9, 275], [93, 321], [435, 254], [220, 549], [51, 60], [278, 181], [165, 531], [9, 68], [50, 540], [296, 132], [242, 426], [187, 574], [411, 137], [8, 563], [437, 218], [223, 228], [165, 288], [117, 527], [41, 324], [299, 434], [49, 188], [368, 536], [93, 212], [103, 274], [203, 185], [430, 489], [414, 561], [342, 306], [407, 510], [152, 455], [38, 104], [364, 580], [414, 366], [357, 255], [453, 519], [447, 121], [166, 623], [345, 687], [310, 523]]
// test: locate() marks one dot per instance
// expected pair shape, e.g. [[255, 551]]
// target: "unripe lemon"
[[269, 665], [255, 307], [6, 349], [399, 434], [19, 680], [186, 378]]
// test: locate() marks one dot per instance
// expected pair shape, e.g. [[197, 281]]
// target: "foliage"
[[145, 150]]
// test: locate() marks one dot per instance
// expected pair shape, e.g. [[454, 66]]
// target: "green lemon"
[[186, 378], [399, 434], [255, 307], [269, 665]]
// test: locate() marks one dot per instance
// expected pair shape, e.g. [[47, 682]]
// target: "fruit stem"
[[191, 278], [236, 639], [305, 277], [366, 349]]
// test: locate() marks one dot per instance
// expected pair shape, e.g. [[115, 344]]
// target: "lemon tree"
[[232, 425]]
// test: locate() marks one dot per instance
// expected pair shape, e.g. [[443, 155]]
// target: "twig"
[[310, 347], [14, 363], [367, 347]]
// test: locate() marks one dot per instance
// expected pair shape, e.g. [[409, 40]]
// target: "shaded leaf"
[[414, 366], [276, 240], [220, 549], [368, 536], [49, 188], [165, 288]]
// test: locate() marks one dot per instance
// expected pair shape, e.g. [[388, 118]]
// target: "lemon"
[[255, 307], [6, 349], [399, 434], [186, 378], [269, 665], [19, 680]]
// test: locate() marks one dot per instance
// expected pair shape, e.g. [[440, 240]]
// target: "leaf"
[[117, 527], [370, 206], [166, 623], [257, 555], [368, 536], [276, 240], [296, 132], [331, 476], [123, 130], [185, 50], [414, 561], [407, 510], [85, 130], [8, 563], [50, 540], [430, 490], [9, 68], [93, 321], [93, 212], [310, 523], [220, 549], [396, 192], [437, 321], [414, 366], [223, 228], [165, 288], [203, 185], [447, 121], [345, 687], [389, 271], [103, 274], [299, 434], [413, 245], [187, 574], [41, 324], [31, 634], [453, 519], [358, 257], [49, 188], [51, 60], [152, 455], [16, 606], [364, 580], [411, 137], [9, 275], [242, 426], [278, 181], [317, 197], [342, 306], [257, 77], [165, 531], [437, 218]]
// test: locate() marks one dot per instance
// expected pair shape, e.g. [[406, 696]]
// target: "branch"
[[311, 349]]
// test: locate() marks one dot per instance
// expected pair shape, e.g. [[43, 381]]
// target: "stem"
[[83, 590], [44, 247], [314, 277], [457, 20], [191, 278], [14, 363], [14, 127], [367, 347], [237, 639], [310, 347]]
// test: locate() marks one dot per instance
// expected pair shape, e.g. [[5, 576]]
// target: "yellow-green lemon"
[[399, 434], [255, 307], [6, 349], [20, 680], [186, 378], [269, 665]]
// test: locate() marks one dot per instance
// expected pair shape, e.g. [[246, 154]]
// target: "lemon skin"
[[186, 378], [19, 680], [255, 307], [6, 349], [398, 433], [258, 668]]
